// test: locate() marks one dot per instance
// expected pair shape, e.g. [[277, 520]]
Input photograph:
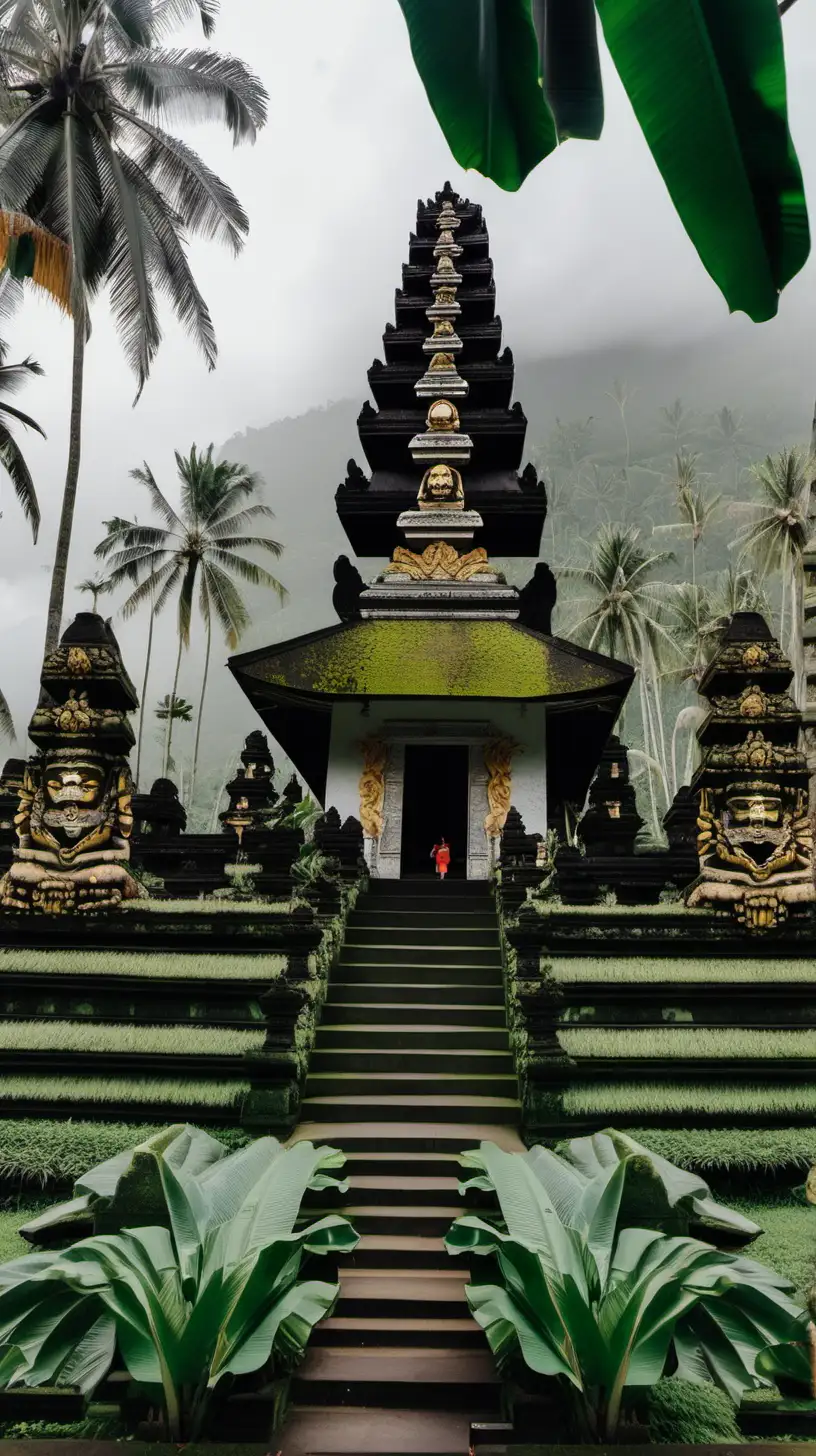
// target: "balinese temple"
[[442, 695]]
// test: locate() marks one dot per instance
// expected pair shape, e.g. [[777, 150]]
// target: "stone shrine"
[[442, 694]]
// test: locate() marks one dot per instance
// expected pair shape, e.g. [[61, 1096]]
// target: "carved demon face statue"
[[79, 803]]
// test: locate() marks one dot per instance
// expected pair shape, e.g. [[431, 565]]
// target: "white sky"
[[589, 252]]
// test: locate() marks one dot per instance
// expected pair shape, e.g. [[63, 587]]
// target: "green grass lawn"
[[46, 1150], [187, 1039], [159, 965], [686, 1041], [614, 970], [611, 1099], [731, 1148], [788, 1239], [187, 1093]]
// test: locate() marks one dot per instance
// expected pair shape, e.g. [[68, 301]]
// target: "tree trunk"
[[144, 694], [796, 639], [200, 711], [168, 737], [59, 575]]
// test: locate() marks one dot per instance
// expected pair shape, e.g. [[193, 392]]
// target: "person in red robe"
[[441, 853]]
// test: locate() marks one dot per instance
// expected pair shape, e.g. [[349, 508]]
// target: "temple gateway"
[[442, 696]]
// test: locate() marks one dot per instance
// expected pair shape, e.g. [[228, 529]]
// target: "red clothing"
[[441, 853]]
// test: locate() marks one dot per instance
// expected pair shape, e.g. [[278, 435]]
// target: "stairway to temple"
[[412, 1065]]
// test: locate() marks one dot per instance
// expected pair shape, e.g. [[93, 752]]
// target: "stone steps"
[[411, 1067]]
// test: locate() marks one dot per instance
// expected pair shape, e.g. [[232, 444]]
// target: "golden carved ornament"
[[445, 294], [372, 786], [442, 361], [498, 759], [754, 656], [439, 562], [443, 328], [443, 416], [79, 663], [441, 489]]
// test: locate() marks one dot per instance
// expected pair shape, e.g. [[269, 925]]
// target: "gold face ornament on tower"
[[441, 489]]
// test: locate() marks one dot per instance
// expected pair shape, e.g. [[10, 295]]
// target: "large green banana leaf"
[[655, 1194], [604, 1306], [706, 79], [479, 64], [212, 1289], [707, 82]]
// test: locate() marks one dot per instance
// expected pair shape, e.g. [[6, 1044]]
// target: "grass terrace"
[[164, 1091], [615, 1100], [685, 1041], [210, 905], [78, 1036], [759, 1150], [160, 965], [46, 1151], [613, 970]]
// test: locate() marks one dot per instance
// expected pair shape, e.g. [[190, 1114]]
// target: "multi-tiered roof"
[[446, 307], [445, 494]]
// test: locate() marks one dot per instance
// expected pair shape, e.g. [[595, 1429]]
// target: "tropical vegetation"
[[86, 159], [207, 546], [588, 1295], [210, 1287], [528, 76]]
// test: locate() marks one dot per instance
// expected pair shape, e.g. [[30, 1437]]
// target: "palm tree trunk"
[[797, 645], [59, 575], [201, 710], [144, 694], [168, 737], [647, 748]]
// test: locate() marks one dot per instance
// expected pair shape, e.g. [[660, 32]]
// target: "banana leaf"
[[707, 82], [570, 65], [479, 64]]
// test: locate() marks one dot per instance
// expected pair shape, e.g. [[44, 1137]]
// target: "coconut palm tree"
[[88, 159], [697, 511], [12, 378], [95, 587], [114, 540], [775, 538], [625, 612], [203, 545]]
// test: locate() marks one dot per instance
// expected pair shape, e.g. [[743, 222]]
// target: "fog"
[[595, 279]]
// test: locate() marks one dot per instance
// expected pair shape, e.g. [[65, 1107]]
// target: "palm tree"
[[87, 159], [625, 616], [115, 539], [169, 710], [697, 511], [775, 539], [12, 378], [95, 586], [204, 546]]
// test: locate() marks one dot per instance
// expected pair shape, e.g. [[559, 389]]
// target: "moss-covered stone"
[[393, 657]]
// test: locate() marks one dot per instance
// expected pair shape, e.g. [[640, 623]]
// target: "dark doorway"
[[434, 803]]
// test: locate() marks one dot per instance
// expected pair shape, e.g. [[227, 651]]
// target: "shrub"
[[681, 1413]]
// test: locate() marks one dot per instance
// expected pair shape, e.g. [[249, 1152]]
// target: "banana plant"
[[606, 1307], [211, 1290], [508, 80], [679, 1201]]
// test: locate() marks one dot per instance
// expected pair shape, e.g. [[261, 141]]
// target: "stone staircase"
[[412, 1065]]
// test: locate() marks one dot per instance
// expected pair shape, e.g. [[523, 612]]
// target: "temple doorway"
[[434, 803]]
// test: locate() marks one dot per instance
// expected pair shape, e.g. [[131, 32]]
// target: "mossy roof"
[[432, 658]]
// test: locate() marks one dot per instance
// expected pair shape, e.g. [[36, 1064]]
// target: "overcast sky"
[[587, 253]]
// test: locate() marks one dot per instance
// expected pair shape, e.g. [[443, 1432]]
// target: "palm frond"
[[247, 570], [159, 502], [13, 462], [6, 720], [192, 85]]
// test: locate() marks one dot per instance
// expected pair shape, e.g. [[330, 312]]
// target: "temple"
[[442, 695]]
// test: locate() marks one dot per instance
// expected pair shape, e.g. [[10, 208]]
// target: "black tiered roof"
[[513, 510]]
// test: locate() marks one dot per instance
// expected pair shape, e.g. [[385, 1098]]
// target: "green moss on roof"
[[433, 659]]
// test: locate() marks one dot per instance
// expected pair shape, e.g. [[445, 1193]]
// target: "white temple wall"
[[401, 722]]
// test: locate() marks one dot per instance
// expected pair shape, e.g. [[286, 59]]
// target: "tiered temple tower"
[[442, 695]]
